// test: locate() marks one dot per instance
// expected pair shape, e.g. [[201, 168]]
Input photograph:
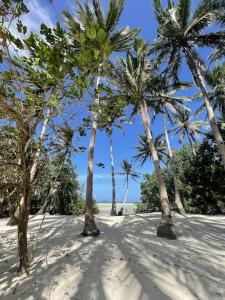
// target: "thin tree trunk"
[[15, 216], [113, 210], [90, 228], [190, 142], [126, 194], [200, 82], [54, 188], [24, 205], [165, 228], [173, 167], [120, 213]]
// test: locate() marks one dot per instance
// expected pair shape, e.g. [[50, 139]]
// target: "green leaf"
[[91, 33], [101, 35]]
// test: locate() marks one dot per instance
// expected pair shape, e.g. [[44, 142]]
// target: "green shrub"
[[78, 208]]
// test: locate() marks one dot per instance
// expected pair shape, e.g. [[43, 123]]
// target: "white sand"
[[105, 208], [126, 262]]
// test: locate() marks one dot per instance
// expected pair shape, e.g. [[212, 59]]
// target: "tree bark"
[[90, 228], [113, 209], [165, 228], [173, 168], [24, 205], [15, 216], [200, 82]]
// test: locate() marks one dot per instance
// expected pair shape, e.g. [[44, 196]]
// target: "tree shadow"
[[127, 261]]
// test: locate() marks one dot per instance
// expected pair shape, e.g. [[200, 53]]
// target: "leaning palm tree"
[[128, 172], [168, 102], [135, 77], [185, 126], [95, 34], [180, 33]]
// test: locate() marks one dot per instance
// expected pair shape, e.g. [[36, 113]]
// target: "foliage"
[[143, 152], [150, 191], [95, 34], [201, 180]]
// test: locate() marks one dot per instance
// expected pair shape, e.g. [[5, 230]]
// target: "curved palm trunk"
[[173, 167], [90, 228], [165, 228], [113, 209], [15, 216], [200, 82]]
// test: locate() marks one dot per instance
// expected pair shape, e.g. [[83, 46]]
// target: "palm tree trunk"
[[190, 142], [15, 216], [24, 205], [165, 228], [126, 194], [173, 167], [200, 82], [90, 228], [113, 210], [120, 213]]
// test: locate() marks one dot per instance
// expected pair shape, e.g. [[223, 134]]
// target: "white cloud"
[[38, 14], [99, 176]]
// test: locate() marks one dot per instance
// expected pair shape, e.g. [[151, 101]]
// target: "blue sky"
[[137, 14]]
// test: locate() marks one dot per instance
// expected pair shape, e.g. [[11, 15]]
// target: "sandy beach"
[[127, 261], [105, 208]]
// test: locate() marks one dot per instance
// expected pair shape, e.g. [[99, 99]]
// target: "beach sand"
[[126, 262]]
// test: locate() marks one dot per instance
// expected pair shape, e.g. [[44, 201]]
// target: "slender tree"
[[136, 78], [173, 165], [95, 34], [128, 172], [181, 32]]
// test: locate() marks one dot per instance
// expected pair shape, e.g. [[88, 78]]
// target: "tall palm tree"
[[136, 78], [166, 103], [179, 33], [186, 127], [128, 172], [96, 36], [117, 124]]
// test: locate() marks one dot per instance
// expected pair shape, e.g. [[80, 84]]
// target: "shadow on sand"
[[127, 261]]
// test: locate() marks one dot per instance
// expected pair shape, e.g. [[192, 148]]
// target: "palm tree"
[[136, 78], [165, 104], [128, 172], [216, 80], [180, 32], [95, 35], [143, 152], [186, 127], [109, 132], [162, 148], [173, 164]]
